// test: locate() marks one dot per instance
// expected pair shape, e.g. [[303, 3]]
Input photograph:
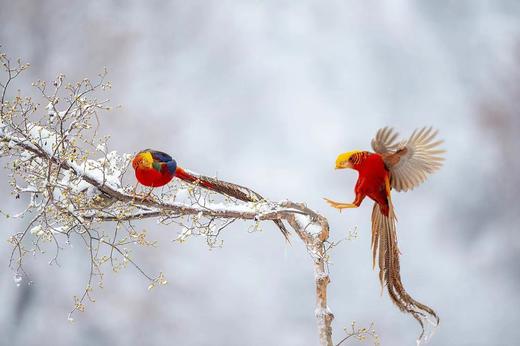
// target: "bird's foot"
[[141, 197], [148, 196], [338, 205]]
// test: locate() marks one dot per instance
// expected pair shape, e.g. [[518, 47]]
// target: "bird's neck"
[[371, 163]]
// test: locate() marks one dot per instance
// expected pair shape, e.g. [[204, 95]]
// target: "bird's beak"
[[343, 165]]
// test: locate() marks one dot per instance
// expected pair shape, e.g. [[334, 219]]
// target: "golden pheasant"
[[402, 166], [155, 168]]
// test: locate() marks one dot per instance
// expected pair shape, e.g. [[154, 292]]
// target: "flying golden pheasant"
[[402, 166]]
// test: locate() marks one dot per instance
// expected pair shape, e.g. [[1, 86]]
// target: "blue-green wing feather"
[[163, 161], [160, 156]]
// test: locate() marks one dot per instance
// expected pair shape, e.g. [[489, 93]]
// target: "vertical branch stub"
[[306, 226]]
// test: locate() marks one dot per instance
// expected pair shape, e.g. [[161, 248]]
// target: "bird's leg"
[[147, 195], [134, 190], [134, 193], [341, 206]]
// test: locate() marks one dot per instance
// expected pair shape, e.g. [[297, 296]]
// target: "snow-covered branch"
[[75, 185]]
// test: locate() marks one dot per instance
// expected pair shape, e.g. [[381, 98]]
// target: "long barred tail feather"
[[229, 189], [385, 249]]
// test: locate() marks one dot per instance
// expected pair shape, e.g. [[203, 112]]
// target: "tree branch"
[[72, 194]]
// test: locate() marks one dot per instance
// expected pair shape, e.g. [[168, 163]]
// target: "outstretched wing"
[[385, 141], [409, 162]]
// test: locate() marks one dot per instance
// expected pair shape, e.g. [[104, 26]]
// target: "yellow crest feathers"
[[342, 160]]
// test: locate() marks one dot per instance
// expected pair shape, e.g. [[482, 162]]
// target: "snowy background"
[[266, 94]]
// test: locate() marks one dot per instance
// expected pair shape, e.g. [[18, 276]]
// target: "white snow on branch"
[[306, 222], [106, 173], [43, 138]]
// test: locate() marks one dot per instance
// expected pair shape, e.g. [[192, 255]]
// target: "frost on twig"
[[74, 186]]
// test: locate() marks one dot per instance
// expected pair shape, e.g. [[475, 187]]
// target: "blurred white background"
[[266, 94]]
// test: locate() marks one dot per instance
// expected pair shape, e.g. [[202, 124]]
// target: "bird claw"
[[333, 204], [142, 197]]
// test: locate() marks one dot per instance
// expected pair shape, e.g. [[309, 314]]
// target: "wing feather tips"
[[385, 140], [411, 161]]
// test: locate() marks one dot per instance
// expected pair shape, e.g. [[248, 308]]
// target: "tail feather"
[[384, 246], [192, 178], [229, 189]]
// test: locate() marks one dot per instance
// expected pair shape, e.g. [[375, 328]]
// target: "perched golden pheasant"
[[402, 166], [154, 168]]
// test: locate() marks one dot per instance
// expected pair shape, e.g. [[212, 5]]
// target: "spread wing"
[[411, 161], [385, 141]]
